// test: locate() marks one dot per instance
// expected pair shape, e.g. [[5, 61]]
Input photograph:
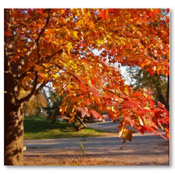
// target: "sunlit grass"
[[37, 127]]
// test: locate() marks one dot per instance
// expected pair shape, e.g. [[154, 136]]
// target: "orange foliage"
[[59, 45]]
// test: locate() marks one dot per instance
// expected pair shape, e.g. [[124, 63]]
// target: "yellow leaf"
[[75, 34], [108, 108], [113, 109], [125, 90], [69, 18], [122, 131], [88, 14], [100, 65], [141, 122], [69, 46], [100, 41], [55, 75], [83, 11], [68, 32], [147, 107]]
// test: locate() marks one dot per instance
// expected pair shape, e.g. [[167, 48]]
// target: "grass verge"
[[37, 127]]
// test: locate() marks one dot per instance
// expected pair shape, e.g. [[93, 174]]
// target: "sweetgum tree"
[[58, 46]]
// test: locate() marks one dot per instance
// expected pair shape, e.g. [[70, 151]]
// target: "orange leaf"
[[41, 75]]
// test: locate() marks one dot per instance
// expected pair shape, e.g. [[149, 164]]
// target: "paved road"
[[143, 150], [107, 126]]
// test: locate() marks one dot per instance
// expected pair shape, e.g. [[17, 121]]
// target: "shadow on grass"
[[36, 124]]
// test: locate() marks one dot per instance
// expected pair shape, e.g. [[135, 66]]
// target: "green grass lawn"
[[37, 127]]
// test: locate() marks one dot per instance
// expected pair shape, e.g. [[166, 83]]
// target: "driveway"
[[143, 150]]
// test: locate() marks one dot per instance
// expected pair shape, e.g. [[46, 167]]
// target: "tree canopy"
[[80, 51]]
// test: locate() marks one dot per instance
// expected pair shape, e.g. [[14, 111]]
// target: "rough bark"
[[13, 126], [13, 119]]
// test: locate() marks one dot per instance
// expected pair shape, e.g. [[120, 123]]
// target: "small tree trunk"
[[167, 94], [162, 99]]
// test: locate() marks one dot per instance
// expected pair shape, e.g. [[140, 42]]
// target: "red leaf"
[[96, 114], [84, 111], [153, 12], [161, 105], [110, 115], [8, 33], [92, 82], [104, 14]]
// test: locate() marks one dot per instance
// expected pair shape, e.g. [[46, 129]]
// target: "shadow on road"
[[147, 148]]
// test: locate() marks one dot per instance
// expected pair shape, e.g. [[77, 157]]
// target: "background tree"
[[35, 105], [81, 114], [53, 107], [43, 45], [159, 85]]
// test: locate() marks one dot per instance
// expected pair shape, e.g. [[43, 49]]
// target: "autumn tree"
[[57, 45], [35, 105]]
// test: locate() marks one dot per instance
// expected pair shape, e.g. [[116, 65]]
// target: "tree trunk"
[[162, 99], [13, 137], [13, 126], [13, 119]]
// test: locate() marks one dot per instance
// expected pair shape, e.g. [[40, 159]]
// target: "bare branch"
[[40, 87]]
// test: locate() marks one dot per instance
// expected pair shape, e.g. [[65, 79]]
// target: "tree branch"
[[40, 34], [53, 54], [41, 86], [27, 97], [33, 92], [68, 72]]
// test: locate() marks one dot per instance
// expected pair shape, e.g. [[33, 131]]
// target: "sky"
[[122, 69]]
